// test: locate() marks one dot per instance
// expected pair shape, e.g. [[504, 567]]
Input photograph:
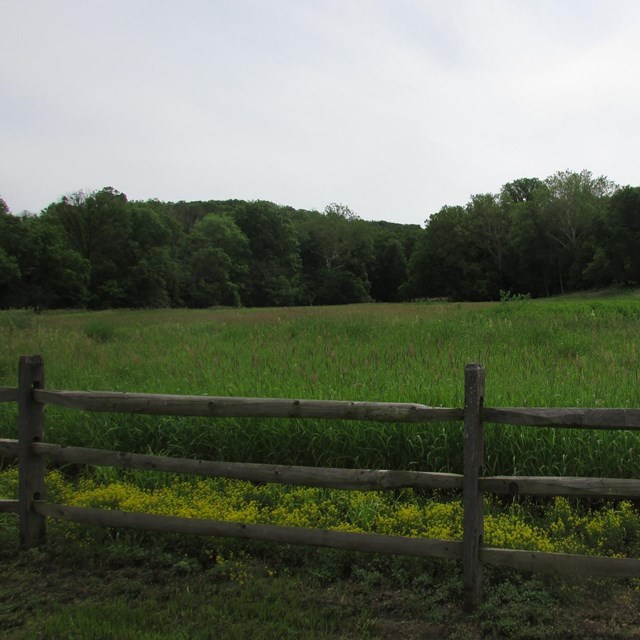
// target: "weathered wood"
[[473, 519], [561, 486], [562, 563], [9, 506], [30, 429], [9, 448], [8, 394], [33, 509], [424, 547], [573, 418], [356, 479], [219, 407]]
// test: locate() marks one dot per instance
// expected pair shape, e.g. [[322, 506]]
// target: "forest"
[[569, 232]]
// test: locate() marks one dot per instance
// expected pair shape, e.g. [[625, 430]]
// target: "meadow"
[[564, 353]]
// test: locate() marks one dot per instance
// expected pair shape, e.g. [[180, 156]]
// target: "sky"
[[394, 108]]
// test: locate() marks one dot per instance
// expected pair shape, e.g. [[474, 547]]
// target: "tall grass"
[[577, 352]]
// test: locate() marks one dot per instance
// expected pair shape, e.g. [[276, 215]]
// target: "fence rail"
[[8, 506], [573, 417], [32, 452], [225, 407], [334, 478], [8, 394]]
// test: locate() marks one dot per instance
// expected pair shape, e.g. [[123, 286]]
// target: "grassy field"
[[101, 583], [574, 352]]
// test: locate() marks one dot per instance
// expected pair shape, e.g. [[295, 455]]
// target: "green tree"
[[490, 225], [98, 227], [445, 260], [10, 240], [389, 270], [39, 270], [622, 246], [54, 276], [573, 200], [336, 248], [531, 254], [155, 272], [10, 279], [570, 205], [274, 263], [217, 263], [520, 190]]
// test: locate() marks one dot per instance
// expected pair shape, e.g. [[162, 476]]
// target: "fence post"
[[30, 430], [473, 519]]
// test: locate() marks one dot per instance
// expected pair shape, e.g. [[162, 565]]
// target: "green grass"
[[103, 583], [573, 352], [120, 589]]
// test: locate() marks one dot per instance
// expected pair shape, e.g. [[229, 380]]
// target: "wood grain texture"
[[31, 467], [423, 547], [221, 406], [9, 448], [473, 518], [574, 418], [8, 394], [9, 506], [561, 486], [562, 563], [355, 479]]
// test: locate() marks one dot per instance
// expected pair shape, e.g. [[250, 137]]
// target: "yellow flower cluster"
[[613, 530], [608, 531], [512, 532]]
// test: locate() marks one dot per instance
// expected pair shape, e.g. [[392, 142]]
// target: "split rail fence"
[[32, 452]]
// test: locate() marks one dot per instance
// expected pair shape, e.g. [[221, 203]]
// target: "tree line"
[[98, 250]]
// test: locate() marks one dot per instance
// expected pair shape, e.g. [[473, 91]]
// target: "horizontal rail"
[[561, 486], [562, 563], [237, 407], [9, 506], [351, 479], [8, 448], [554, 563], [8, 394], [424, 547], [355, 479], [227, 407], [576, 418]]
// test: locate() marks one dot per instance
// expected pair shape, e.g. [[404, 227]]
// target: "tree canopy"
[[568, 232]]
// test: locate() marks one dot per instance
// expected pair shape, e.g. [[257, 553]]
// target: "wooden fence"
[[32, 452]]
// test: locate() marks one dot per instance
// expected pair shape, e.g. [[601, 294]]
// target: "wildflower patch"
[[558, 526]]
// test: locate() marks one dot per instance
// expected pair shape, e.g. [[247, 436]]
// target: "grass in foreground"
[[119, 591]]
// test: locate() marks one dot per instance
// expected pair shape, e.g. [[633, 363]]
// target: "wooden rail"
[[576, 418], [224, 407], [32, 451], [333, 478], [8, 394], [8, 506], [290, 535]]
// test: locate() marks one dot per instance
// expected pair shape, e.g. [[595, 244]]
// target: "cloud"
[[395, 108]]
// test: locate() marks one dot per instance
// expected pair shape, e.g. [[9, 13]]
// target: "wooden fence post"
[[30, 429], [473, 519]]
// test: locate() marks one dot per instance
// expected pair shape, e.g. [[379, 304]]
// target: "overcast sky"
[[392, 107]]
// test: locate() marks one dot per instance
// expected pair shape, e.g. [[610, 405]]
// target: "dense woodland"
[[569, 232]]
